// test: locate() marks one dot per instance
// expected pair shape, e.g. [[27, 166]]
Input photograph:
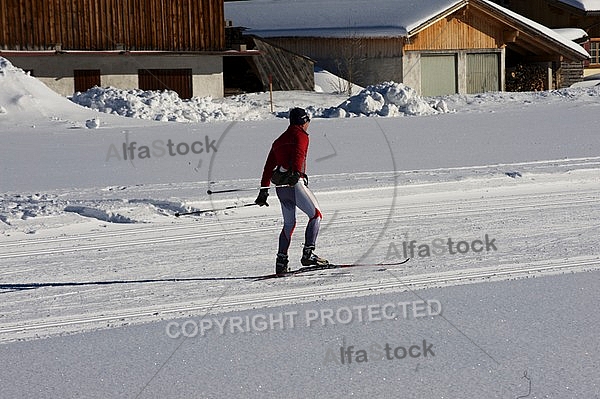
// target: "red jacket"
[[289, 150]]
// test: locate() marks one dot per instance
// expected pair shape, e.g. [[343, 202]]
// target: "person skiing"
[[286, 168]]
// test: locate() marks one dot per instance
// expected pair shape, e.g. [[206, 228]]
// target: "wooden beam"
[[549, 58], [510, 36]]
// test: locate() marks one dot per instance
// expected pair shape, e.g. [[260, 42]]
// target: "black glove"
[[293, 179], [261, 200]]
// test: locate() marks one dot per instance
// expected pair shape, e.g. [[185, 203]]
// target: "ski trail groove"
[[415, 282], [375, 215]]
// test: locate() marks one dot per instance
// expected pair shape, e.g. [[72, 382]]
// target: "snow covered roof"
[[333, 18], [366, 18], [572, 33], [585, 5], [549, 33]]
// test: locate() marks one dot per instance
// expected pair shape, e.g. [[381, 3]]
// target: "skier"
[[285, 167]]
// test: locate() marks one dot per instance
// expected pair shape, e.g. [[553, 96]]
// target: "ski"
[[329, 266]]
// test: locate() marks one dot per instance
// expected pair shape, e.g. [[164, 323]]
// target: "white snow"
[[326, 82], [585, 5], [335, 18], [94, 265], [588, 81], [384, 99], [573, 34]]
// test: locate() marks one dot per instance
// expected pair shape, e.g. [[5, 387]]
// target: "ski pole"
[[177, 214], [233, 190]]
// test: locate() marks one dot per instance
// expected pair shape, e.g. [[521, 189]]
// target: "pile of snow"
[[327, 82], [21, 92], [5, 66], [164, 106], [588, 81], [386, 99]]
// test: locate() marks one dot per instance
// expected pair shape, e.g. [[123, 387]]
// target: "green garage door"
[[438, 75], [483, 72]]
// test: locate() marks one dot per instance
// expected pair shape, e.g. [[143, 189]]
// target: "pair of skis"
[[329, 266]]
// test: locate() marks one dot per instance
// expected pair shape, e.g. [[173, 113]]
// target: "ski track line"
[[221, 223], [137, 229], [126, 232], [340, 221], [413, 282]]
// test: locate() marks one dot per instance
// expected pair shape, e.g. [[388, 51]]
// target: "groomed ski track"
[[108, 266], [394, 283]]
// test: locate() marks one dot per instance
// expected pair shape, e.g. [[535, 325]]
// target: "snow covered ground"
[[103, 288]]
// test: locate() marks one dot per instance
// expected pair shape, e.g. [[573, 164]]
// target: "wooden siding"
[[483, 72], [459, 31], [359, 47], [287, 70], [569, 73], [85, 79], [439, 75], [162, 25], [178, 80]]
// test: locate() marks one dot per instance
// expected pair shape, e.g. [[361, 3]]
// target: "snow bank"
[[155, 105], [21, 92], [6, 66], [385, 99]]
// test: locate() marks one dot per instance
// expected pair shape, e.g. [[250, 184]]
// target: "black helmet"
[[298, 116]]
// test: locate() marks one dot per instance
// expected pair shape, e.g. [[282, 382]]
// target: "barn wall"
[[363, 61], [459, 31], [169, 25], [121, 71]]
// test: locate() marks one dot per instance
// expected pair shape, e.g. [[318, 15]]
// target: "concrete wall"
[[120, 70], [411, 65]]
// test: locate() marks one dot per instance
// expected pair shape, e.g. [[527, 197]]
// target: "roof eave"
[[443, 14], [566, 51]]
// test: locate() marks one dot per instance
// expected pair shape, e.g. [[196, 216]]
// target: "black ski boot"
[[281, 264], [311, 259]]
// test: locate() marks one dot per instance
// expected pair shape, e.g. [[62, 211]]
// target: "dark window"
[[595, 52]]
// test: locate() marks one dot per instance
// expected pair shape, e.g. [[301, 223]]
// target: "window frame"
[[594, 60]]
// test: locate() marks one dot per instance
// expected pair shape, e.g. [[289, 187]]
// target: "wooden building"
[[438, 47], [267, 67], [149, 44], [560, 14]]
